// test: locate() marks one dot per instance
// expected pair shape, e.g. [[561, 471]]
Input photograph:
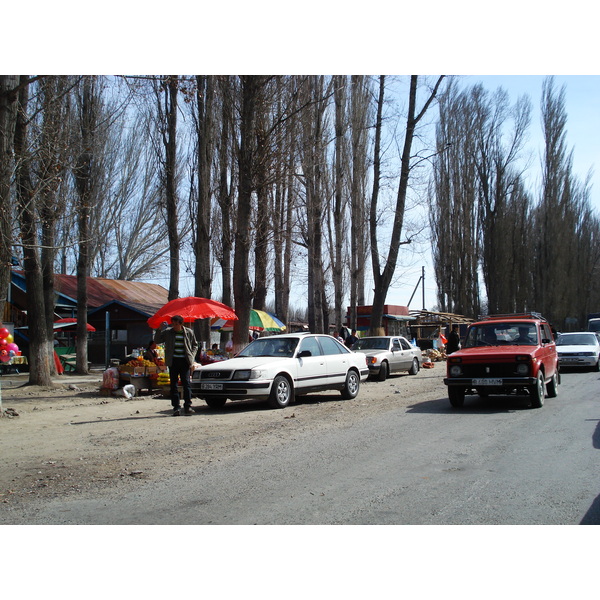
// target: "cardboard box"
[[139, 371], [151, 370], [125, 369]]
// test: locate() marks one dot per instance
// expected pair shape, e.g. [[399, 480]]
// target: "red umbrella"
[[70, 322], [191, 308]]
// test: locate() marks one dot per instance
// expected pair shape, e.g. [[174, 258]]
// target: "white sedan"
[[277, 367], [580, 349], [389, 354]]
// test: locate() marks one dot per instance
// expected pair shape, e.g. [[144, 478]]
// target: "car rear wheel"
[[537, 392], [351, 386], [282, 392], [414, 369], [215, 402], [456, 395], [552, 387], [383, 371]]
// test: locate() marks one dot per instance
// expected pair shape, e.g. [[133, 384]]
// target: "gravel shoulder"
[[70, 440]]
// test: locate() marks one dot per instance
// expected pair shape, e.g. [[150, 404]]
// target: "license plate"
[[211, 386], [487, 381]]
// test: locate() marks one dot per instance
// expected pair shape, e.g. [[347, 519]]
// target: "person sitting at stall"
[[215, 351], [151, 354]]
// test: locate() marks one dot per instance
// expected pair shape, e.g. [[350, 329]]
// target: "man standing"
[[180, 352], [351, 339], [453, 344]]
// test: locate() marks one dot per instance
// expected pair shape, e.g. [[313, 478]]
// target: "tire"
[[537, 392], [597, 367], [552, 386], [351, 386], [282, 392], [456, 395], [414, 369], [383, 371], [215, 402]]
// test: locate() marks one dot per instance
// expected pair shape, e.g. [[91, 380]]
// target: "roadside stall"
[[428, 325]]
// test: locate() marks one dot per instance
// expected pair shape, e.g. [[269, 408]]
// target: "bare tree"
[[27, 205], [9, 85], [242, 286], [383, 277]]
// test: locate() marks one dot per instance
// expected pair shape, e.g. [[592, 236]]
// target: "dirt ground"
[[70, 440]]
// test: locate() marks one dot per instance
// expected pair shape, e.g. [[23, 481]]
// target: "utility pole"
[[423, 280]]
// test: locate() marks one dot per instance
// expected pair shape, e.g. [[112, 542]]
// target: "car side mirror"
[[304, 354]]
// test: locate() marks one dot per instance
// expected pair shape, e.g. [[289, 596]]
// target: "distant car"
[[278, 367], [579, 349], [389, 354]]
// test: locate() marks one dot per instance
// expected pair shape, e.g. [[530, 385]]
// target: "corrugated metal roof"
[[101, 291]]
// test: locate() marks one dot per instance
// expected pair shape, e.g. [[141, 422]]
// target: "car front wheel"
[[383, 371], [456, 395], [215, 402], [552, 387], [414, 369], [351, 386], [282, 392], [537, 392]]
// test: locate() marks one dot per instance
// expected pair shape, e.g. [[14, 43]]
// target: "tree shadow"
[[592, 516]]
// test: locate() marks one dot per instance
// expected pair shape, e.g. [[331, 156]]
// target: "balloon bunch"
[[8, 348]]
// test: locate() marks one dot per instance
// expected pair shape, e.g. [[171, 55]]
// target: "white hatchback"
[[579, 349], [277, 367]]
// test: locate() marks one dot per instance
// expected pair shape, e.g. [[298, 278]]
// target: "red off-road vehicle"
[[505, 354]]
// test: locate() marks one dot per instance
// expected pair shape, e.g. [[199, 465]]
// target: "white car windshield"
[[282, 347], [577, 339]]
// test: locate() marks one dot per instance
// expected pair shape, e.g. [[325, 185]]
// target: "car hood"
[[488, 352], [371, 351], [578, 348], [243, 362]]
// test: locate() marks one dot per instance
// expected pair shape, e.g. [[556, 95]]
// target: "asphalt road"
[[493, 462]]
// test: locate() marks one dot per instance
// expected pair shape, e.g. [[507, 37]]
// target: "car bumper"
[[473, 382], [578, 361], [232, 389]]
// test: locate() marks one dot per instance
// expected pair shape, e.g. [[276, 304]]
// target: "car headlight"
[[523, 369], [455, 371], [246, 374], [371, 360]]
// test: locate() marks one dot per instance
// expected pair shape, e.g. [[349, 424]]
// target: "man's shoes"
[[176, 412], [188, 410]]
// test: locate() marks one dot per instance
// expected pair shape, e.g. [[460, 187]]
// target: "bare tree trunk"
[[339, 222], [262, 228], [242, 287], [226, 177], [86, 175], [8, 117], [55, 104], [39, 358], [203, 280], [170, 166]]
